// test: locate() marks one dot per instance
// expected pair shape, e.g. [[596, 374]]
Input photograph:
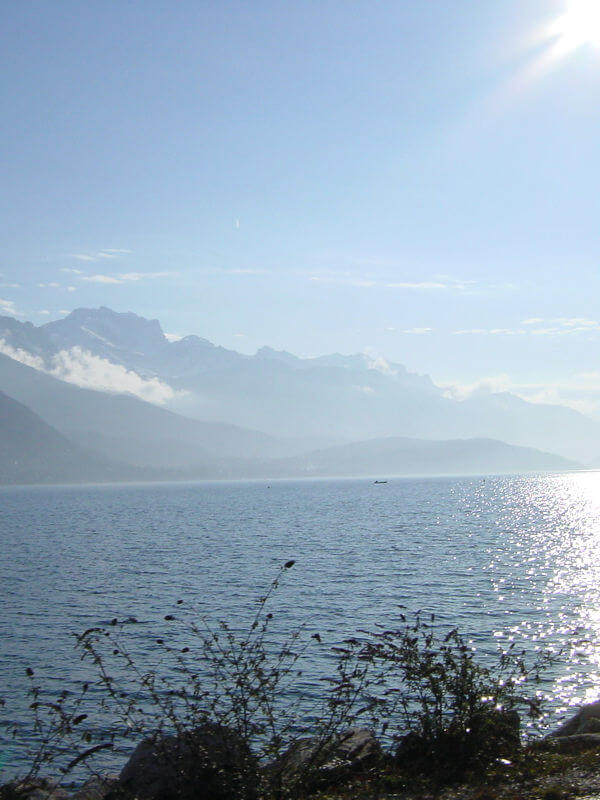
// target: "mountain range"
[[217, 413]]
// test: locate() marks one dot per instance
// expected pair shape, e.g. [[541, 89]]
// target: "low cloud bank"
[[84, 369], [580, 392]]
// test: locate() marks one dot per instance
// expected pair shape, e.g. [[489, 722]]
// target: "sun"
[[578, 25]]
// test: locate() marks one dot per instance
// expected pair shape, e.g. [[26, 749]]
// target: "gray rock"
[[208, 763], [96, 788], [34, 789], [577, 742], [315, 762], [586, 720], [358, 745]]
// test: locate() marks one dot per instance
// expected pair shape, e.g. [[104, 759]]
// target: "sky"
[[417, 181]]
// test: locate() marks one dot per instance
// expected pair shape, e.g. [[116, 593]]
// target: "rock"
[[208, 763], [577, 742], [314, 762], [33, 789], [586, 720], [96, 788], [358, 745]]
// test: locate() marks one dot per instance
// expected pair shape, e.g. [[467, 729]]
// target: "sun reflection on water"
[[552, 545]]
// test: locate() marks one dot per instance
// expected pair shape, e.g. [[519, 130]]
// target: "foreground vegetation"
[[407, 711]]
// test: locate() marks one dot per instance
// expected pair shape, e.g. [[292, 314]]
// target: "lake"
[[505, 559]]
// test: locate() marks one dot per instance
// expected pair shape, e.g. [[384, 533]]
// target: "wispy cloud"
[[234, 271], [532, 321], [52, 285], [8, 307], [100, 255], [100, 279], [18, 354], [379, 364], [417, 331], [84, 369], [580, 391], [126, 277], [140, 276], [375, 283], [486, 385], [420, 285], [70, 271], [537, 326]]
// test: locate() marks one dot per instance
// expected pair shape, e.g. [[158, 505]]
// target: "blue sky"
[[414, 180]]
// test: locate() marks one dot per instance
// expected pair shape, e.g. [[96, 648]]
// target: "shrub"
[[422, 691], [445, 711]]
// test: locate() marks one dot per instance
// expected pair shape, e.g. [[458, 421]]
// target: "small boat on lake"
[[379, 481]]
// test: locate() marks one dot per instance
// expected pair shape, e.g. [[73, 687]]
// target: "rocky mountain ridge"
[[314, 402]]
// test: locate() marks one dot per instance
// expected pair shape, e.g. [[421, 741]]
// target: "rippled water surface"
[[503, 558]]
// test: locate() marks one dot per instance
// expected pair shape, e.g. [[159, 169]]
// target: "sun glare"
[[577, 26]]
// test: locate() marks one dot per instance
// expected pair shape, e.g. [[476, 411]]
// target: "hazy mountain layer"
[[339, 398], [128, 429], [402, 456], [34, 452]]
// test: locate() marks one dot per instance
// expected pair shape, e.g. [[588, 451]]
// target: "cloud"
[[10, 285], [72, 271], [422, 285], [83, 257], [8, 307], [379, 364], [173, 337], [100, 279], [482, 386], [417, 331], [125, 277], [491, 332], [52, 285], [368, 390], [99, 255], [92, 372], [140, 276], [558, 326], [345, 279], [371, 281], [234, 271], [84, 369], [16, 353], [71, 288], [581, 391]]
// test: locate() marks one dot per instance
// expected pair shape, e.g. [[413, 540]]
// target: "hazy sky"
[[418, 180]]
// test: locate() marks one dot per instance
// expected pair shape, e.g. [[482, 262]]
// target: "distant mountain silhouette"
[[33, 452], [299, 404], [403, 456], [128, 429]]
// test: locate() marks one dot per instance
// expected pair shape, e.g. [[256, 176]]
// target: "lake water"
[[502, 558]]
